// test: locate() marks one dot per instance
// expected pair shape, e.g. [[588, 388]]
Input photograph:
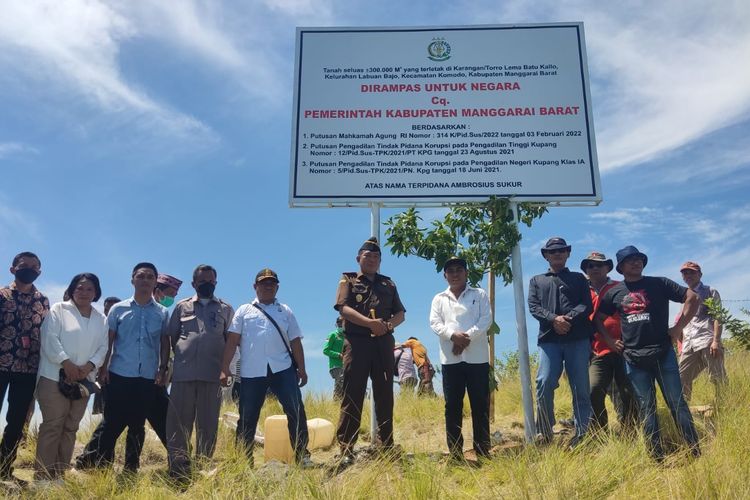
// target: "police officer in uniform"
[[371, 308]]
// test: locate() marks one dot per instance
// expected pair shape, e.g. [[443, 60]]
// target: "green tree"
[[737, 328], [483, 234]]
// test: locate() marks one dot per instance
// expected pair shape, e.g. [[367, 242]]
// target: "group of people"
[[615, 336], [64, 353], [606, 335]]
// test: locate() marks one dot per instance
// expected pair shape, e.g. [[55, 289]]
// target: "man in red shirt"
[[606, 363]]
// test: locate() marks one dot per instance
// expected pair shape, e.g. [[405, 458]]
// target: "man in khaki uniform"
[[371, 308], [197, 332]]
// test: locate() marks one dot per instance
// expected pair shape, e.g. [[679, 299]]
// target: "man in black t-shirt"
[[643, 304]]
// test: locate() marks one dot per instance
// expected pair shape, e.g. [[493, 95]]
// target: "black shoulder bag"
[[283, 340]]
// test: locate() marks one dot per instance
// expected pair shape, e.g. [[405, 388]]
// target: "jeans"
[[459, 379], [667, 374], [574, 358], [252, 395]]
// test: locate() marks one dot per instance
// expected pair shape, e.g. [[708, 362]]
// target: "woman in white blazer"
[[74, 342]]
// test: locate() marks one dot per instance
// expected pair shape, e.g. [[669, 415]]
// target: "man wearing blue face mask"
[[22, 310]]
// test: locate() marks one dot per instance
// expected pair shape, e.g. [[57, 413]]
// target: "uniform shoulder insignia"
[[386, 280], [347, 277]]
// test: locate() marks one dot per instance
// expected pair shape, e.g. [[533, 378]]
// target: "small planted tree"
[[737, 328], [483, 234]]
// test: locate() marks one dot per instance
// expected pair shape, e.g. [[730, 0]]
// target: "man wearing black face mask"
[[197, 333], [22, 310]]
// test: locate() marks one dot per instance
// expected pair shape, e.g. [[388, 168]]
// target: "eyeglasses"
[[595, 264], [556, 250]]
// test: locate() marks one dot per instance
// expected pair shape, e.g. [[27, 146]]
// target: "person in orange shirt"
[[606, 364], [424, 367]]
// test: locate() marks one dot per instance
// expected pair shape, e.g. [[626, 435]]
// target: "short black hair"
[[112, 299], [412, 338], [83, 277], [25, 254], [147, 265], [204, 267]]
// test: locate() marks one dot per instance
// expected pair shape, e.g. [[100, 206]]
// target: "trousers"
[[367, 357]]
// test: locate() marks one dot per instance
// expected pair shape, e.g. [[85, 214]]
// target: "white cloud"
[[8, 149], [630, 222], [221, 36], [16, 221], [682, 229], [53, 291], [308, 11], [73, 48], [663, 73]]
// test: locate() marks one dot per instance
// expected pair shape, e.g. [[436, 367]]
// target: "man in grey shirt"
[[197, 333]]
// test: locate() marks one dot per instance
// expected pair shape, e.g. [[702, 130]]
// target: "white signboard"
[[442, 115]]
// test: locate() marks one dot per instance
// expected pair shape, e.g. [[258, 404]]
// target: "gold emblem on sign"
[[359, 297]]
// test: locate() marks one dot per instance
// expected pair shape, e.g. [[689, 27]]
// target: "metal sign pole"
[[374, 231], [523, 341]]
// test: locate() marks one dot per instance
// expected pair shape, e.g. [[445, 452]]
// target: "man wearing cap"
[[197, 331], [561, 301], [461, 316], [607, 364], [643, 305], [701, 338], [271, 356], [22, 311], [164, 293], [371, 308]]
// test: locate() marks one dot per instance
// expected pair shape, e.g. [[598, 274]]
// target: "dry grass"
[[607, 466]]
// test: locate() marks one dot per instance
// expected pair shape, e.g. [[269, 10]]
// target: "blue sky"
[[160, 131]]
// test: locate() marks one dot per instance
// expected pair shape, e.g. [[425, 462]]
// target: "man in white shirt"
[[272, 358], [461, 316]]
